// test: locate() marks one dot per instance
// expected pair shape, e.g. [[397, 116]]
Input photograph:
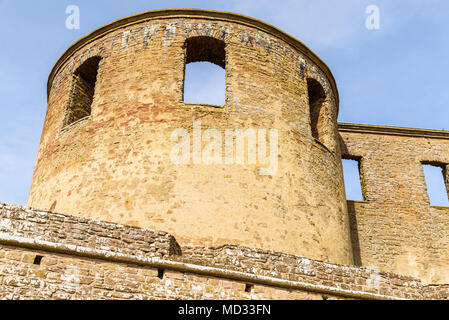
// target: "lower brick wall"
[[89, 271], [67, 277]]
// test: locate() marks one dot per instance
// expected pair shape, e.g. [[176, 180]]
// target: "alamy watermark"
[[374, 279], [212, 147], [373, 20], [72, 22]]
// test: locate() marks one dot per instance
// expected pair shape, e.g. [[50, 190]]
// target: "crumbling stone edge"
[[156, 262]]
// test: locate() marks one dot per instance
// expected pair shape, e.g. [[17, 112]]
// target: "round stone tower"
[[119, 143]]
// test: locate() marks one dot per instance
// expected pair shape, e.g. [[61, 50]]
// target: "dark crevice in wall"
[[37, 260], [353, 224]]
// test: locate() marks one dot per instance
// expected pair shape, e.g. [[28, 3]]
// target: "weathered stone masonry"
[[115, 165], [87, 259], [115, 97]]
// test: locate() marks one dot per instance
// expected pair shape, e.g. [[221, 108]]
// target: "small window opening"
[[160, 273], [249, 288], [205, 74], [82, 92], [436, 186], [351, 173], [317, 96], [38, 260]]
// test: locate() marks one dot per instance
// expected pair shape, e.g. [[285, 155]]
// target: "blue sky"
[[393, 76]]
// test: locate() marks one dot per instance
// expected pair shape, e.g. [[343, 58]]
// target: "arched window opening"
[[205, 72], [317, 96], [82, 92]]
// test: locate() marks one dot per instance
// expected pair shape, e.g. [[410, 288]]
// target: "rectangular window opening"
[[249, 288], [436, 186], [353, 185]]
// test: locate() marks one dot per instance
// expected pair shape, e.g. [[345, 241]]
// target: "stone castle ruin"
[[223, 229]]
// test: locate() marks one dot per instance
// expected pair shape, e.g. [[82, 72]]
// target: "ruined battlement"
[[248, 197], [46, 255]]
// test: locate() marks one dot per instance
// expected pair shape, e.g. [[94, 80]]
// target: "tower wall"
[[116, 164]]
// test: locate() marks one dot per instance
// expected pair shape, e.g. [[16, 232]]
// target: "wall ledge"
[[33, 229], [395, 131]]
